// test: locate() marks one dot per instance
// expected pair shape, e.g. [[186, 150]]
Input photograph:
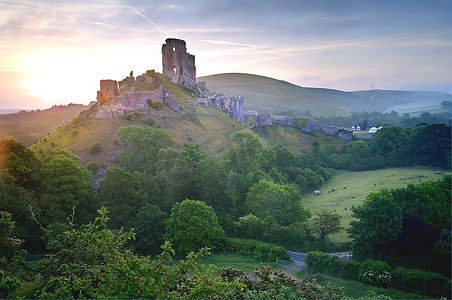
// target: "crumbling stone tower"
[[108, 90], [178, 64]]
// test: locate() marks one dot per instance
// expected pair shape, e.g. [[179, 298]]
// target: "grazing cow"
[[316, 193]]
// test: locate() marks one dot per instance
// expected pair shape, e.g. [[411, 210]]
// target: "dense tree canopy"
[[379, 222], [279, 202], [192, 225]]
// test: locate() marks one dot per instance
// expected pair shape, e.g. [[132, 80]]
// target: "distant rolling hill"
[[285, 98], [30, 127]]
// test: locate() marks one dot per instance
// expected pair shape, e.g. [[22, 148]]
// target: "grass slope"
[[294, 139], [346, 189], [285, 98], [210, 127], [281, 97], [29, 127]]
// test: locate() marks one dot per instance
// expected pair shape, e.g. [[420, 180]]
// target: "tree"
[[212, 184], [391, 143], [379, 223], [192, 224], [149, 228], [141, 146], [326, 223], [175, 173], [66, 184], [19, 165], [246, 156], [119, 192], [282, 203]]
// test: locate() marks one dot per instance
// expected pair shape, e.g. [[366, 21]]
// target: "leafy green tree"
[[120, 193], [356, 156], [19, 165], [175, 175], [149, 229], [379, 223], [191, 225], [246, 156], [141, 146], [66, 184], [9, 245], [282, 203], [326, 223], [212, 186], [16, 200], [431, 145], [391, 143]]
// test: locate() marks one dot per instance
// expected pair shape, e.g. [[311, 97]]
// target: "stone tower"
[[108, 90], [178, 64]]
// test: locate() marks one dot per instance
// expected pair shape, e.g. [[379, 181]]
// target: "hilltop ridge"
[[284, 98]]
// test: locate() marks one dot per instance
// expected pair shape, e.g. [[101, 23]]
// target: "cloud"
[[144, 17]]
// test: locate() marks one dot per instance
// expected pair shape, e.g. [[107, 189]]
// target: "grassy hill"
[[210, 127], [347, 188], [288, 99], [29, 127]]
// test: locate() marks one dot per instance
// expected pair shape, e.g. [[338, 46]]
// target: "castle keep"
[[178, 64]]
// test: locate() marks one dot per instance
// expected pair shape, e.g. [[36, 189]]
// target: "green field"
[[245, 263], [346, 189]]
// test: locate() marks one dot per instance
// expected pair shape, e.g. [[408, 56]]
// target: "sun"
[[59, 77]]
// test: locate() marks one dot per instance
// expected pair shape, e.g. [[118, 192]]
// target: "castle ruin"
[[178, 64]]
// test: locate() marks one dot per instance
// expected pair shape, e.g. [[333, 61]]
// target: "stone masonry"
[[178, 64]]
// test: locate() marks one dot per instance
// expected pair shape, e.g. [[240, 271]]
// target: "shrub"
[[375, 272], [421, 282], [150, 121], [251, 121], [95, 147], [156, 104], [260, 250], [331, 265], [146, 86]]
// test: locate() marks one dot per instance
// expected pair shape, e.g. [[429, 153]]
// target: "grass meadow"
[[348, 189]]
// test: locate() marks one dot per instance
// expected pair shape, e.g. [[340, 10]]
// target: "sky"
[[57, 51]]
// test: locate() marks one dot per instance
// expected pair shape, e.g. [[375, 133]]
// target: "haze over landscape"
[[55, 52]]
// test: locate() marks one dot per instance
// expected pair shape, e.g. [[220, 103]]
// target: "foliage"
[[259, 250], [375, 272], [119, 192], [324, 263], [422, 282], [149, 228], [66, 184], [326, 223], [10, 255], [95, 147], [279, 202], [191, 225], [158, 105], [379, 223], [141, 146]]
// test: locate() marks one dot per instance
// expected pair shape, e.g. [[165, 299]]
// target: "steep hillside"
[[95, 139], [29, 127], [210, 127], [286, 98]]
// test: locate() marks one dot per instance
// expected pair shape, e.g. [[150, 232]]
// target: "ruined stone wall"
[[236, 108], [108, 90], [178, 64]]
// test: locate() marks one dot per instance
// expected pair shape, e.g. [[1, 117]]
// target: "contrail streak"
[[144, 17]]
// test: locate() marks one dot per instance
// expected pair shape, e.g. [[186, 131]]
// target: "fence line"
[[290, 265]]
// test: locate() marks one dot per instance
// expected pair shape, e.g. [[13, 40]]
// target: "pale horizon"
[[55, 52]]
